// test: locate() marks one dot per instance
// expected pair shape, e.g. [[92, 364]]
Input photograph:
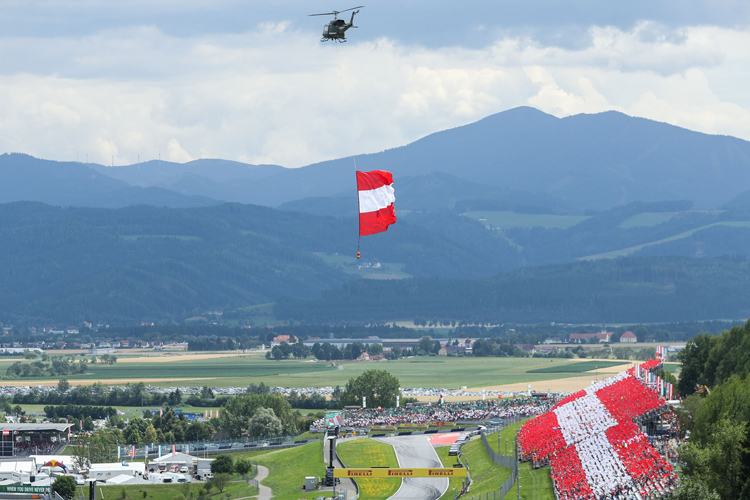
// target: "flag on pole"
[[206, 414], [217, 413], [161, 412], [376, 198], [174, 450], [146, 454]]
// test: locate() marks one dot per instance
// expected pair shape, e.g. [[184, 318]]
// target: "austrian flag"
[[376, 197]]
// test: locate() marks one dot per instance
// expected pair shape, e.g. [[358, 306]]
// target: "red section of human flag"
[[376, 198]]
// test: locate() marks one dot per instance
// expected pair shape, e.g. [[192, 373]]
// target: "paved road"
[[264, 492], [416, 451]]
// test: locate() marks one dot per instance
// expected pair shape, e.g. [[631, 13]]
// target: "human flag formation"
[[376, 197], [594, 448]]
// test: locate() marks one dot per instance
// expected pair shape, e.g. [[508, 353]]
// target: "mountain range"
[[577, 163], [479, 206]]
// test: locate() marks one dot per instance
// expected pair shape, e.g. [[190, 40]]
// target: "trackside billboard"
[[398, 473]]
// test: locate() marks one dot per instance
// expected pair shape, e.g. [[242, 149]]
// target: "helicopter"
[[336, 29]]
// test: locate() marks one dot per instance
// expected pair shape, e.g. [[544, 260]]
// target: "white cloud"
[[277, 95], [176, 153]]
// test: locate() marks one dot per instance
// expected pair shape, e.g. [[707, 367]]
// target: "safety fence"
[[197, 448], [499, 459]]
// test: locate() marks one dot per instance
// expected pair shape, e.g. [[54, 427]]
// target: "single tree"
[[223, 464], [150, 435], [65, 486], [265, 423], [243, 467], [378, 386], [207, 392], [63, 385], [221, 480], [81, 453], [88, 424], [374, 349]]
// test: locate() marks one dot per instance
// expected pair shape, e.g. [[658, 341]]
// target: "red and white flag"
[[592, 443], [376, 197]]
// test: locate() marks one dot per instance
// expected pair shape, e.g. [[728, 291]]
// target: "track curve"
[[416, 451]]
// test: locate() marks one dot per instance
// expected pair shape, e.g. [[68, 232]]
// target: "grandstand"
[[594, 442], [438, 415], [27, 439]]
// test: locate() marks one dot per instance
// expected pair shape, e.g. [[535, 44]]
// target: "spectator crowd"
[[469, 411], [34, 447], [594, 447]]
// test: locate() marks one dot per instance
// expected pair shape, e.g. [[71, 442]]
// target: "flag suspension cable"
[[359, 222]]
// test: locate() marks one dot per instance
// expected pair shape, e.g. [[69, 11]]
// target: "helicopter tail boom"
[[351, 21]]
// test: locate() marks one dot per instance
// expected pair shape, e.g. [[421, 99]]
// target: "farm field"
[[583, 366], [506, 220], [412, 372]]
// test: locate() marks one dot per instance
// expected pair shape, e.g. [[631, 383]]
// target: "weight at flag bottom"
[[376, 198]]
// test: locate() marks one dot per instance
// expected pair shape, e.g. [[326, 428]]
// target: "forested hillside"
[[143, 262], [609, 291]]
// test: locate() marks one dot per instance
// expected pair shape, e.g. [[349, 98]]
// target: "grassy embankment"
[[288, 469], [487, 477], [370, 453], [454, 483]]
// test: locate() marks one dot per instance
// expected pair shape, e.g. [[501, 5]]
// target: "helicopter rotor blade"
[[350, 9], [325, 14]]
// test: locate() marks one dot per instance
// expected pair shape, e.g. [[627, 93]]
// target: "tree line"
[[716, 410], [647, 289]]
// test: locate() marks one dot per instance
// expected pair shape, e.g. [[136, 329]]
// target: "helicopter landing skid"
[[340, 40]]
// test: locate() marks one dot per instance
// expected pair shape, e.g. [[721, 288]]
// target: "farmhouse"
[[628, 337]]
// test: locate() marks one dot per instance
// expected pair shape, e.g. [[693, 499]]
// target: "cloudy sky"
[[249, 80]]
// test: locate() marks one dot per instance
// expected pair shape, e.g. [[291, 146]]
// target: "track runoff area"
[[594, 440]]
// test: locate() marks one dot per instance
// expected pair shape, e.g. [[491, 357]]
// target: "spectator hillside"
[[594, 447]]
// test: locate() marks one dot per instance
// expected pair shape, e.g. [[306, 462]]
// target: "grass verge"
[[454, 483], [486, 476], [536, 484], [370, 453]]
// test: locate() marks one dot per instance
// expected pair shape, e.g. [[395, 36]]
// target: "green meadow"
[[433, 371], [583, 366], [506, 220]]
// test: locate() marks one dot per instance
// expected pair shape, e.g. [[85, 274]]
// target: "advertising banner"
[[399, 473]]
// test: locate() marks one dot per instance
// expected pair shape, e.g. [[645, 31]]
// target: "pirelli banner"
[[396, 473]]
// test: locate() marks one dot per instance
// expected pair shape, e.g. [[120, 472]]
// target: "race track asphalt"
[[416, 451]]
